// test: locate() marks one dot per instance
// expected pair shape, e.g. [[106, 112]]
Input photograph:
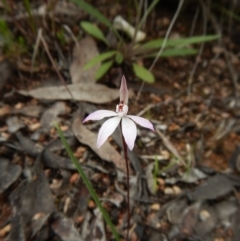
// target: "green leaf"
[[103, 69], [174, 53], [88, 184], [157, 43], [153, 44], [119, 57], [94, 31], [143, 73], [99, 58]]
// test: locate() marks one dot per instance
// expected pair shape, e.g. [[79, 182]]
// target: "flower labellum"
[[129, 129]]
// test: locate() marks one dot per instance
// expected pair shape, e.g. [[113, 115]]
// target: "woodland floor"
[[192, 195]]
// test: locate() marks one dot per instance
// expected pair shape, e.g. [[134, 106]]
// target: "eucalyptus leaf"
[[94, 31], [143, 73], [103, 69], [99, 58]]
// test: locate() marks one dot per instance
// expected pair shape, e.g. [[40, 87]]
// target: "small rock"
[[56, 184], [177, 190], [5, 230], [66, 205], [38, 216], [91, 204], [19, 105], [161, 183], [204, 215], [74, 178], [168, 191], [80, 151], [34, 126], [166, 154], [155, 207], [64, 128]]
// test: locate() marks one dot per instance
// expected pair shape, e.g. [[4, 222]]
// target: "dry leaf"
[[51, 115], [84, 51], [91, 92]]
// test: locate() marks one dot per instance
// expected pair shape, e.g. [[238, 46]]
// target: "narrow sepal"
[[124, 91], [107, 129], [129, 131]]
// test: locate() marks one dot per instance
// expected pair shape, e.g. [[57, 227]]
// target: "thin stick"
[[54, 65], [163, 44], [128, 184], [190, 79]]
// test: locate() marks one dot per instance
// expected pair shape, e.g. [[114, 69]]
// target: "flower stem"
[[128, 185]]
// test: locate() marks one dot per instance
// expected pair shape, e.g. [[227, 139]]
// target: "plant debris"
[[184, 178]]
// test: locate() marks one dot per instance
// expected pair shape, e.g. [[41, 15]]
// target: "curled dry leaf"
[[9, 173], [84, 50], [64, 228], [215, 187], [82, 92]]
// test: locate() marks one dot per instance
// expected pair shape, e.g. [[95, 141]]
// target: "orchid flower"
[[129, 129]]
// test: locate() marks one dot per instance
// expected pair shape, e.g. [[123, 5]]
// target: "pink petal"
[[142, 122], [100, 114], [124, 91], [107, 129], [129, 131]]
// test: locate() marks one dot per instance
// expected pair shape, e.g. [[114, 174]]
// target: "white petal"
[[124, 91], [129, 130], [100, 114], [107, 129], [142, 121]]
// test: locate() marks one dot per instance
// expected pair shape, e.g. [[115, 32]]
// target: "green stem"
[[88, 184]]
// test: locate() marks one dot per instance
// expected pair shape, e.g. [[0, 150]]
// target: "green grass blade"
[[174, 52], [227, 12], [170, 165], [93, 11], [94, 31], [143, 73], [153, 44], [31, 19], [88, 184], [98, 15], [157, 43], [153, 4], [103, 69], [99, 58]]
